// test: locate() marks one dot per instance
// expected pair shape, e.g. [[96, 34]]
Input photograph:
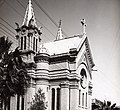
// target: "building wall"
[[61, 83]]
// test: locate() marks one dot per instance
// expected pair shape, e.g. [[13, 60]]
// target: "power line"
[[6, 31], [20, 3], [13, 28], [7, 28], [49, 16], [20, 15], [39, 21], [13, 8], [9, 34], [7, 23], [11, 38], [107, 81]]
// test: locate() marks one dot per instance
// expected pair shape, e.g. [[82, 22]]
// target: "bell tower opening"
[[28, 34]]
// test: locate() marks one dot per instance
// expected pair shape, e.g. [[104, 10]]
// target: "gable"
[[84, 46]]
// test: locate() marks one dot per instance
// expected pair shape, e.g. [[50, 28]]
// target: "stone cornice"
[[74, 86], [58, 58], [41, 57], [64, 85]]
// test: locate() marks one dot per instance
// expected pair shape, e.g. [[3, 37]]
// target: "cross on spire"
[[83, 22]]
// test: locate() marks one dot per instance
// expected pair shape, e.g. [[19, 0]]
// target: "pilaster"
[[74, 96], [64, 102]]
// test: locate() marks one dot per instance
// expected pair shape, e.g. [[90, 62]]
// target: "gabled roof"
[[63, 46]]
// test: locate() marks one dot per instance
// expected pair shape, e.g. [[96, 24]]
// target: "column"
[[13, 103], [64, 102], [55, 98], [74, 97]]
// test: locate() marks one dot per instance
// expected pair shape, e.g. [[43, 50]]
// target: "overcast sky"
[[103, 31]]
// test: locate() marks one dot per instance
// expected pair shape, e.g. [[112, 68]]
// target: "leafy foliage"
[[13, 74], [38, 102], [106, 105]]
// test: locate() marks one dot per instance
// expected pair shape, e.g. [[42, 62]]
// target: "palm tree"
[[13, 73]]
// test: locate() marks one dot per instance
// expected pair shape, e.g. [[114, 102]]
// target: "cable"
[[12, 27], [109, 82], [7, 28], [49, 16], [9, 34], [39, 21], [6, 22], [13, 8]]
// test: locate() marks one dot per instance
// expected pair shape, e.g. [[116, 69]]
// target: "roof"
[[63, 45]]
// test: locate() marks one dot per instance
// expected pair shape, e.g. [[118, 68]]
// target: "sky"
[[103, 32]]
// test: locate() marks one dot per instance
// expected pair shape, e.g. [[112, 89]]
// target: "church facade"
[[63, 67]]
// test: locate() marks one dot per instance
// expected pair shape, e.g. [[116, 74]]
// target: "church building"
[[63, 67]]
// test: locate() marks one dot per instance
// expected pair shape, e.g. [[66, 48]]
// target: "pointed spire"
[[59, 33], [29, 18]]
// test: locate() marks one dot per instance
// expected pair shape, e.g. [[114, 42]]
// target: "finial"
[[59, 33], [83, 22], [29, 1], [60, 23]]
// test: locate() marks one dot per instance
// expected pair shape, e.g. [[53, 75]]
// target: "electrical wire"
[[51, 19], [9, 34], [38, 21], [7, 28], [19, 14], [7, 23]]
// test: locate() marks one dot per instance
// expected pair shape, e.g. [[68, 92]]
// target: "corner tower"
[[28, 34]]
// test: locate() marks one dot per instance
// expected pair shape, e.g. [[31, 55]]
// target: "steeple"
[[59, 33], [29, 18], [28, 34]]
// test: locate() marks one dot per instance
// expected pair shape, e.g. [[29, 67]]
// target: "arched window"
[[86, 99], [18, 102], [34, 43], [22, 103], [24, 42], [58, 98], [53, 99], [83, 80], [28, 42], [82, 99], [21, 43], [79, 96]]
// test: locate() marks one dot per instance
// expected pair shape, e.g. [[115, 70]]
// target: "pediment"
[[87, 54]]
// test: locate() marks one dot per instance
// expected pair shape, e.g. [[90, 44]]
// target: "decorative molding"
[[74, 86], [41, 58], [90, 86], [64, 85], [89, 52]]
